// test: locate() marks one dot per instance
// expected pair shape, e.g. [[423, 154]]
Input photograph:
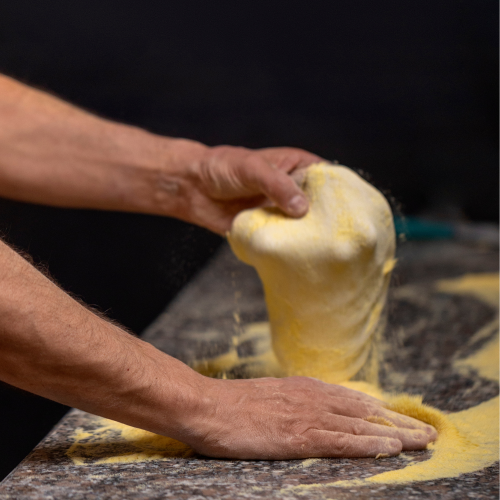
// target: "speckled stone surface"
[[200, 323]]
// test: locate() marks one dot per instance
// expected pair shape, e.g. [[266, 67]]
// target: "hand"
[[230, 179], [59, 155], [300, 417]]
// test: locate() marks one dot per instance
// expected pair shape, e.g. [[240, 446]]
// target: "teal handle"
[[414, 228]]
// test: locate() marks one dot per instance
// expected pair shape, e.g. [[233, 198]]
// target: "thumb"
[[282, 189]]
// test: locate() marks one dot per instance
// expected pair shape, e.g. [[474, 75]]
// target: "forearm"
[[53, 346], [56, 154]]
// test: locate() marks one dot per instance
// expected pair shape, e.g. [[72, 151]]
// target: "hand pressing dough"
[[326, 275]]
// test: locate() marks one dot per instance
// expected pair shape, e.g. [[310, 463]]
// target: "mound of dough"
[[326, 275]]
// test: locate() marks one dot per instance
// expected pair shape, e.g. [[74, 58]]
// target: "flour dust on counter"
[[467, 440], [430, 348]]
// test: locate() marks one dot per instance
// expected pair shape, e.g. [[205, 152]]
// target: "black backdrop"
[[406, 90]]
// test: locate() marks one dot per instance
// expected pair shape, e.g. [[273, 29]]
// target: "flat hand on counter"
[[300, 417]]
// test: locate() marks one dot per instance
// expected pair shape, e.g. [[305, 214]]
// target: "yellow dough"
[[325, 276]]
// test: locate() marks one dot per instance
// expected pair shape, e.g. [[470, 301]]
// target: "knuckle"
[[298, 424], [358, 427], [342, 444], [297, 439], [369, 409]]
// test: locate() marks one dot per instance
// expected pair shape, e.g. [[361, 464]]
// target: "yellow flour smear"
[[484, 286], [112, 442], [262, 363], [485, 361], [468, 441]]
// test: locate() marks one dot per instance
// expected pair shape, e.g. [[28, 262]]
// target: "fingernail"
[[432, 432], [298, 205]]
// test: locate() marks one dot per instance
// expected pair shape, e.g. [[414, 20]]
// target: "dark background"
[[406, 90]]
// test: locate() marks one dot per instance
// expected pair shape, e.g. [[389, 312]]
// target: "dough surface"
[[325, 276]]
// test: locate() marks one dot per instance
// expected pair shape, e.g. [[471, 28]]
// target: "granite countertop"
[[201, 323]]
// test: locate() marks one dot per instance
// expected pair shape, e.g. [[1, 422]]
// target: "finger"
[[278, 187], [290, 159], [411, 439], [404, 421], [361, 409], [322, 443]]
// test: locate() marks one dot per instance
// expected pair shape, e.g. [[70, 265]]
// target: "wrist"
[[163, 183], [160, 394], [197, 411]]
